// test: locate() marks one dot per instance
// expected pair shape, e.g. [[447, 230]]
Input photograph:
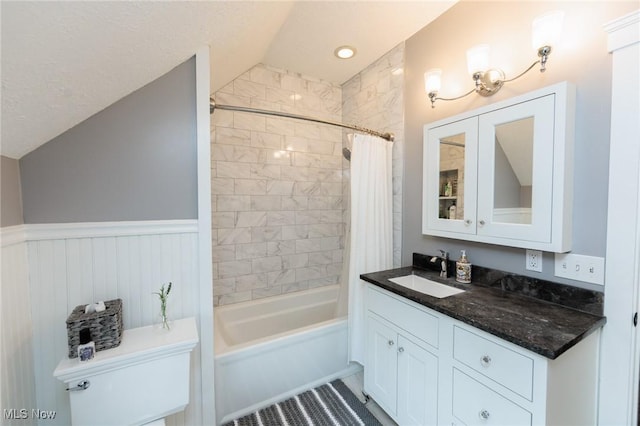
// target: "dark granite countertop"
[[543, 327]]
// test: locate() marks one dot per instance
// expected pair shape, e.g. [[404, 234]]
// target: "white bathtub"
[[271, 349]]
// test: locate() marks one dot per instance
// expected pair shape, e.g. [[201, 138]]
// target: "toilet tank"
[[144, 379]]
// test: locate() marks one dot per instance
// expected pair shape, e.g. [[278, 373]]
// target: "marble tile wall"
[[277, 201], [374, 98]]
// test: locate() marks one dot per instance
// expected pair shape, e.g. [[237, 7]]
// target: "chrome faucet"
[[444, 263]]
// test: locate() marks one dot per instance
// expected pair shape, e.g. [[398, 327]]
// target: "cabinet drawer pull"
[[400, 349], [482, 222], [390, 342], [485, 360], [467, 222], [484, 415]]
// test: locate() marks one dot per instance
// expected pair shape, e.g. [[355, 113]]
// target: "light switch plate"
[[579, 267]]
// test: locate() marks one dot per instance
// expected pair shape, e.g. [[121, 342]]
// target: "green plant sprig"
[[163, 295]]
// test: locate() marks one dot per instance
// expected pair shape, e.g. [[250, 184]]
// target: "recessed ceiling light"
[[345, 52]]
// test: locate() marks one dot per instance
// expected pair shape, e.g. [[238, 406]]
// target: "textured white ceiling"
[[62, 62]]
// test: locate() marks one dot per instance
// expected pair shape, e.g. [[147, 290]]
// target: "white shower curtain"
[[371, 227]]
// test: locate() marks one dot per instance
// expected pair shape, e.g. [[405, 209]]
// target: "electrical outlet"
[[579, 267], [534, 260]]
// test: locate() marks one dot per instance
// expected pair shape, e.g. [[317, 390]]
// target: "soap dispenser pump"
[[463, 269]]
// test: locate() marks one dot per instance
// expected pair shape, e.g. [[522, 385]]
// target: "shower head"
[[346, 153]]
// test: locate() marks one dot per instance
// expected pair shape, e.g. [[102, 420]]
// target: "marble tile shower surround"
[[277, 187], [280, 187], [374, 98], [573, 297]]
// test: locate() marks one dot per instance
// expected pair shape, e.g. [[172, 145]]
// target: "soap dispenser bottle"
[[463, 269]]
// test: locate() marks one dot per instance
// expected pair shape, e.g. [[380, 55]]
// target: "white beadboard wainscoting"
[[74, 264], [16, 358]]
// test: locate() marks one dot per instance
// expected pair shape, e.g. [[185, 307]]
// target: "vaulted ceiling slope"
[[62, 62]]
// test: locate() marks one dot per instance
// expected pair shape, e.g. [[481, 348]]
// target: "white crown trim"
[[61, 231]]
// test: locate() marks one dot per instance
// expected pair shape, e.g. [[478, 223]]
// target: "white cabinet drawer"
[[505, 366], [413, 320], [476, 404]]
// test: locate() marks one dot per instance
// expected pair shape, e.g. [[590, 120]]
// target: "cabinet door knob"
[[400, 349], [390, 342], [467, 222], [482, 222], [485, 360], [484, 415]]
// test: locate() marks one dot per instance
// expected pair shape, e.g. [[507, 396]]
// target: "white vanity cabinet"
[[425, 368], [401, 374], [503, 174]]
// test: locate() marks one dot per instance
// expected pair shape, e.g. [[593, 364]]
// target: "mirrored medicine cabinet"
[[503, 174]]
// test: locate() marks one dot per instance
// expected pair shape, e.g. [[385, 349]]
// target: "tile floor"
[[355, 383]]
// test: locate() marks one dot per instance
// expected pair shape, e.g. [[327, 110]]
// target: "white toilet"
[[141, 381]]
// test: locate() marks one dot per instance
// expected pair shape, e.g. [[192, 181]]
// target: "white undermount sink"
[[426, 286]]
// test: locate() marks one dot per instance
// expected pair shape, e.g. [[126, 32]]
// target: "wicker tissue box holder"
[[105, 326]]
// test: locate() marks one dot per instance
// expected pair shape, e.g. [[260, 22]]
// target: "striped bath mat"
[[331, 404]]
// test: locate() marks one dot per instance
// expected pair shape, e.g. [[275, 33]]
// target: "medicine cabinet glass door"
[[515, 160], [450, 189]]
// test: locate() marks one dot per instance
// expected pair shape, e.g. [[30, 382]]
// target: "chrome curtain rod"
[[213, 106]]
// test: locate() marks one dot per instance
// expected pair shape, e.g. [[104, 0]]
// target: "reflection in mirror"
[[513, 172], [451, 184]]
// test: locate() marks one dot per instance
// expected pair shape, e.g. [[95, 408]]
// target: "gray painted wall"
[[11, 198], [135, 160], [581, 57]]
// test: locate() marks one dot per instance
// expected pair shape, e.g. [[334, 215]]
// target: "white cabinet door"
[[381, 364], [515, 164], [449, 181], [417, 384]]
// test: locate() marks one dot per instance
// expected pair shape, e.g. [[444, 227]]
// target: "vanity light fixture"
[[345, 52], [546, 31]]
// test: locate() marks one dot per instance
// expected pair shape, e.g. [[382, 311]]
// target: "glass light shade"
[[546, 29], [478, 58], [432, 80]]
